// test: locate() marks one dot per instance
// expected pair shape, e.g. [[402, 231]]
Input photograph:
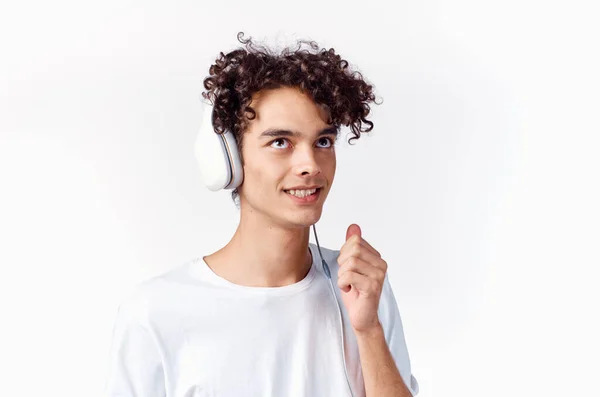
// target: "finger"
[[353, 230], [365, 285], [360, 266], [358, 251], [366, 244], [361, 242]]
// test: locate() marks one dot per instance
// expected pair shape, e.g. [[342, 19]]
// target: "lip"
[[303, 187], [305, 200]]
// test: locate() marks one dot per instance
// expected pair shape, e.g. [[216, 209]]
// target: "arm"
[[375, 319], [134, 365], [382, 378]]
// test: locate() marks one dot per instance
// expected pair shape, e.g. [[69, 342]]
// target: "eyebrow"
[[276, 132]]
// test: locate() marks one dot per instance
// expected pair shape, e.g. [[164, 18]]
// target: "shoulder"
[[329, 255], [136, 304], [147, 297]]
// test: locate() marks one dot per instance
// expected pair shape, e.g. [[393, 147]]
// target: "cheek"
[[260, 180], [252, 167], [331, 166]]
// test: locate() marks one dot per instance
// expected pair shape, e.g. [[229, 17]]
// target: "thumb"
[[352, 230]]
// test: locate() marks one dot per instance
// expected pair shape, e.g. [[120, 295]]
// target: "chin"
[[305, 220]]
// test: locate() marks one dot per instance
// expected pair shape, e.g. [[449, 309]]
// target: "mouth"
[[304, 196]]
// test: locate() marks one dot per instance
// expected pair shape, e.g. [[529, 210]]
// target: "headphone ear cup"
[[234, 160], [217, 155]]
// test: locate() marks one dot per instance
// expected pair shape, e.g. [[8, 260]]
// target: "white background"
[[479, 184]]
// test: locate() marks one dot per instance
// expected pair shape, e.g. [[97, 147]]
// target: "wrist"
[[374, 331]]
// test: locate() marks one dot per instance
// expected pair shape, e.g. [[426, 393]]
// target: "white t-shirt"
[[191, 333]]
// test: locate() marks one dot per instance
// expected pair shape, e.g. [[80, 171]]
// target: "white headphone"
[[217, 154]]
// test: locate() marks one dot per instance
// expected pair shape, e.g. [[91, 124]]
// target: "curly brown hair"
[[320, 73]]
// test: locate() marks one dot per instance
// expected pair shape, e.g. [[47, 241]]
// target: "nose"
[[305, 162]]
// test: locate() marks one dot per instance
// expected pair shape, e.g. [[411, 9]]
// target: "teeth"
[[302, 193]]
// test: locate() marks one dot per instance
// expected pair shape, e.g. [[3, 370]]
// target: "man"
[[257, 317]]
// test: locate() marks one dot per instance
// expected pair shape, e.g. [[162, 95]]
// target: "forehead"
[[286, 108]]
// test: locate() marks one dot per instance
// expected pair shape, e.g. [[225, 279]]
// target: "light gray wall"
[[479, 184]]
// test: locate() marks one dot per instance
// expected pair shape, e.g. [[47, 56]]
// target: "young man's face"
[[288, 145]]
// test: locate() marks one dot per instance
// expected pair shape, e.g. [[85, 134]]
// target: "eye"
[[327, 140], [279, 140]]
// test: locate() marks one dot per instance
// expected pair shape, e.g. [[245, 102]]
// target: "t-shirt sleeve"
[[134, 365], [394, 335]]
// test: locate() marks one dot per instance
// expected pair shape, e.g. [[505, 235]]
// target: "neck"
[[263, 254]]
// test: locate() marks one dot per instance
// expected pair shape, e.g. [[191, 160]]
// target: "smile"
[[303, 196], [301, 193]]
